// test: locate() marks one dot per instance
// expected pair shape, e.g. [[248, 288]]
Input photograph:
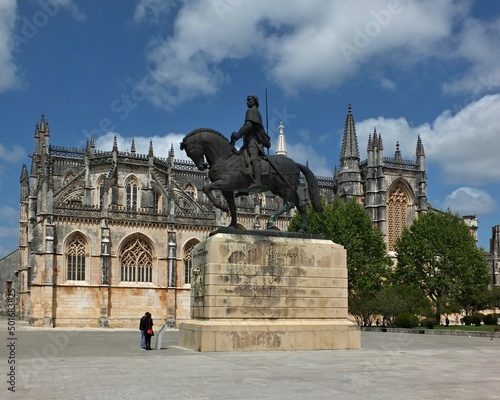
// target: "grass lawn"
[[481, 328]]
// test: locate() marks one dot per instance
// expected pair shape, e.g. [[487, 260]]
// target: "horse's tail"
[[312, 184]]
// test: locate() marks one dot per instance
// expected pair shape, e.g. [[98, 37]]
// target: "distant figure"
[[143, 332], [254, 138], [146, 328], [447, 321]]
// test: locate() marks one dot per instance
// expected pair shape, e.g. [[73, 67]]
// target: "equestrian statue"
[[249, 170]]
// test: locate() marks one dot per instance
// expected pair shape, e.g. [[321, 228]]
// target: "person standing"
[[148, 322], [254, 138], [142, 328], [146, 328]]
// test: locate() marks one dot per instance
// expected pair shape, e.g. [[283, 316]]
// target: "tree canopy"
[[439, 255], [346, 223]]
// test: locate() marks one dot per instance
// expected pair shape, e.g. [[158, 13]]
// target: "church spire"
[[150, 149], [24, 181], [132, 148], [420, 147], [92, 145], [171, 153], [420, 154], [397, 154], [350, 148], [348, 184], [115, 145], [281, 145], [44, 127]]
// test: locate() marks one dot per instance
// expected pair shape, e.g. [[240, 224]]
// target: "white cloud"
[[314, 44], [71, 6], [152, 10], [8, 15], [392, 130], [9, 230], [465, 145], [305, 154], [470, 201], [478, 45], [12, 155], [10, 40], [387, 84], [8, 214]]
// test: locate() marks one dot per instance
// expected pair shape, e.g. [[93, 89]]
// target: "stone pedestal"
[[256, 290]]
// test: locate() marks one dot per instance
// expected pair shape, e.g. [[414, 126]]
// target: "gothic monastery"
[[107, 235]]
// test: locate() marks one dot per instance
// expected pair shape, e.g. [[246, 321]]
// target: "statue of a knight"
[[254, 138]]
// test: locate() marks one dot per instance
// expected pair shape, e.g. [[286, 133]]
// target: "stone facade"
[[107, 235], [392, 190], [8, 279]]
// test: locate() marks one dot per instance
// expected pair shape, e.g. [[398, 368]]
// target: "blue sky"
[[151, 69]]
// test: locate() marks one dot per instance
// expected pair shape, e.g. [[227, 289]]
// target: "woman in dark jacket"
[[145, 326], [148, 322]]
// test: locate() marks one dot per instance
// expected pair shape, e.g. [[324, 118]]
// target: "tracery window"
[[188, 260], [76, 259], [397, 215], [131, 196], [137, 261]]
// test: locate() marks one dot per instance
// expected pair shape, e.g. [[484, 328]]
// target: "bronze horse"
[[229, 174]]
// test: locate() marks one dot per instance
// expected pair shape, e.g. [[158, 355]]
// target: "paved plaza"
[[108, 364]]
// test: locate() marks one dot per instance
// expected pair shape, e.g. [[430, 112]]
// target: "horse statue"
[[229, 172]]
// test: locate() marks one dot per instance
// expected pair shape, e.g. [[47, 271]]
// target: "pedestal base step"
[[244, 335]]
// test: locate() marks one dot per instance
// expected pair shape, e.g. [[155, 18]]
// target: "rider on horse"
[[254, 138]]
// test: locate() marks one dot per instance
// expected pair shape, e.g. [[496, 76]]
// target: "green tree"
[[439, 255], [478, 299], [346, 223], [494, 298], [396, 299], [364, 309]]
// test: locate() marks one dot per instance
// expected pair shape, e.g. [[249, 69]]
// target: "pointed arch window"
[[102, 190], [191, 190], [75, 258], [262, 199], [188, 260], [131, 189], [67, 177], [137, 261], [157, 201], [397, 215]]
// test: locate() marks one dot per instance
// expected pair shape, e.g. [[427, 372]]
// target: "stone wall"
[[8, 278]]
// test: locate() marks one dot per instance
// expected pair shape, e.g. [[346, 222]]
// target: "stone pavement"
[[108, 364]]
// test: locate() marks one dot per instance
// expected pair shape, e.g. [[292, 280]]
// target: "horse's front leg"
[[229, 196], [208, 190], [287, 206]]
